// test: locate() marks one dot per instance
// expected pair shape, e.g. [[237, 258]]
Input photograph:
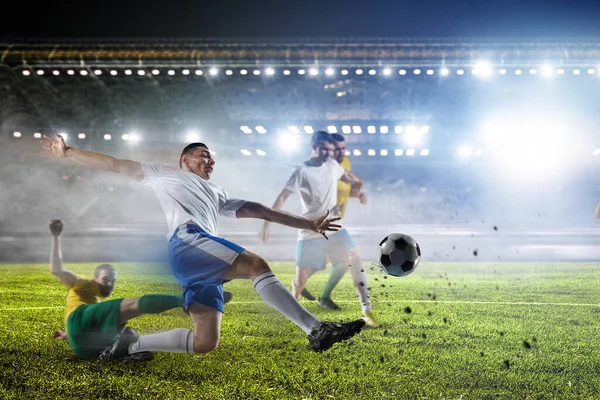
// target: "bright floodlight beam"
[[192, 136], [287, 142]]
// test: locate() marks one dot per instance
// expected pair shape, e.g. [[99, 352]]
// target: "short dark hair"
[[189, 148], [104, 267], [337, 137], [320, 137]]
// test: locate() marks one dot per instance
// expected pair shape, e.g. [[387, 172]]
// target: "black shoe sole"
[[307, 295], [141, 356], [347, 336]]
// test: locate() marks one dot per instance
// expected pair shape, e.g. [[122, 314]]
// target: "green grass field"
[[450, 331]]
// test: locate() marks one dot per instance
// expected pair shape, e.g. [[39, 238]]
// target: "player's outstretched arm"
[[356, 186], [278, 205], [59, 149], [321, 225], [56, 267]]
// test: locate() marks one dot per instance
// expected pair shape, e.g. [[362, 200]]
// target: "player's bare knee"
[[258, 266], [204, 345]]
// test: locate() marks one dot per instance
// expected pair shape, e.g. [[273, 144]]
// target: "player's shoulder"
[[346, 164]]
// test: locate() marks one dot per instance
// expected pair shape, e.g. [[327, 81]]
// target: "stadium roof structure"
[[292, 52]]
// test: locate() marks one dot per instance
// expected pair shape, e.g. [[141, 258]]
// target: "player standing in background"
[[201, 261], [316, 182]]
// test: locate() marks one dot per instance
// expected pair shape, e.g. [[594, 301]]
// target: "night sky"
[[450, 19]]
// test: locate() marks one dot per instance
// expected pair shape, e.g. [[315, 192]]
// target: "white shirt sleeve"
[[339, 170], [228, 205], [293, 182], [151, 172]]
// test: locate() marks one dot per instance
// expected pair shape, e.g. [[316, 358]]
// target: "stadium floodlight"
[[424, 152], [128, 72], [412, 136], [134, 137], [410, 152], [387, 71], [402, 72], [444, 72], [532, 71], [383, 152], [228, 72], [502, 71], [287, 141], [591, 71], [430, 72], [213, 71], [596, 152], [356, 129], [261, 152], [192, 136], [37, 135], [483, 69], [246, 152], [371, 129], [398, 152], [332, 129], [56, 72], [346, 129], [347, 152], [125, 137], [107, 137], [417, 71], [371, 152], [398, 129], [518, 72], [79, 135], [185, 72], [286, 72], [425, 129], [329, 71], [372, 72], [246, 129], [344, 72], [155, 72], [293, 129], [70, 72], [464, 151], [98, 72], [40, 72], [383, 129], [359, 71], [313, 71], [83, 72], [243, 72], [301, 71], [256, 72], [261, 130], [141, 72], [356, 152], [17, 134], [309, 129], [169, 72], [269, 71], [26, 72], [460, 72], [560, 71], [576, 72], [547, 70], [198, 72]]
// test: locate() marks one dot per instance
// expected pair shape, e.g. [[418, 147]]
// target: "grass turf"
[[471, 331]]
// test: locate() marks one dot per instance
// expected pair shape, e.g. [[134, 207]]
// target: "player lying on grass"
[[92, 323], [201, 261], [316, 182]]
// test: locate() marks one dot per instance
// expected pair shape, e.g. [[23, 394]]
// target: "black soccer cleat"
[[141, 356], [329, 333], [119, 350], [326, 302], [307, 295], [227, 296]]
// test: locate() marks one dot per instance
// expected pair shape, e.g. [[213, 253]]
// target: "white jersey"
[[317, 188], [185, 196]]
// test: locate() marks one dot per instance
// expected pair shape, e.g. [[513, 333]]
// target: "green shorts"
[[93, 327]]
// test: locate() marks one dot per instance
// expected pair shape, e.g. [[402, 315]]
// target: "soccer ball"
[[398, 254]]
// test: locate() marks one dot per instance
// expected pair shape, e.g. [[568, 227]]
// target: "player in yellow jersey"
[[95, 325]]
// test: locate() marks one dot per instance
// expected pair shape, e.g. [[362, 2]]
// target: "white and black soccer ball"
[[398, 254]]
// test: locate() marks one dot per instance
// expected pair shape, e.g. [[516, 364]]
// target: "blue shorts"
[[199, 262], [313, 253]]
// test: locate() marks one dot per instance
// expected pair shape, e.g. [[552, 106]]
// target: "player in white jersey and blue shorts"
[[315, 181], [200, 259]]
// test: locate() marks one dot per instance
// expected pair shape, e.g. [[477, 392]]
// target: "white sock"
[[175, 341], [278, 297], [361, 284]]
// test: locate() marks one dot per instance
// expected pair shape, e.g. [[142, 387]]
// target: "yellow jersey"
[[344, 189], [85, 291]]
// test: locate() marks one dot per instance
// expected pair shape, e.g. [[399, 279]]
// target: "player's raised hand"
[[362, 197], [56, 227], [58, 148], [324, 224], [264, 234]]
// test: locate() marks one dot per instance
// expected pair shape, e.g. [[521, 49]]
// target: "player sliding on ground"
[[92, 323], [201, 261], [316, 182]]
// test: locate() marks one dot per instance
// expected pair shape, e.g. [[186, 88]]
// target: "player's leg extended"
[[310, 258], [148, 304], [361, 284]]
